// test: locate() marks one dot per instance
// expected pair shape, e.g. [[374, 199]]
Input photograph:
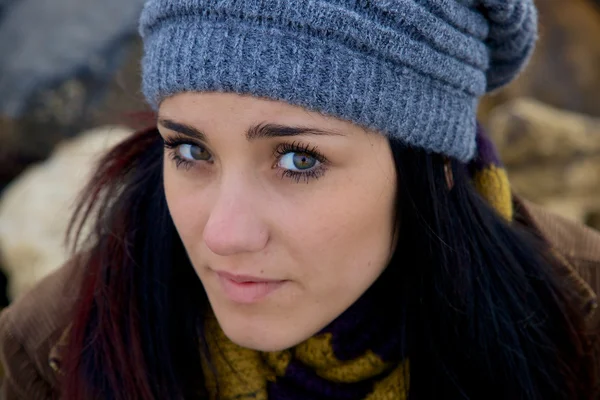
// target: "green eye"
[[296, 161], [192, 152]]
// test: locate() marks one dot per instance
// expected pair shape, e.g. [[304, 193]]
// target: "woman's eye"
[[192, 152], [296, 161]]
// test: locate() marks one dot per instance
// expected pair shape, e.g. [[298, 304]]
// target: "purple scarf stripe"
[[486, 152], [364, 326], [302, 383]]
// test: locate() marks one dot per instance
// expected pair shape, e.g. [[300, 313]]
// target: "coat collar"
[[546, 226]]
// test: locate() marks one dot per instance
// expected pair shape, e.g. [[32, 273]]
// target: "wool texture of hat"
[[411, 69]]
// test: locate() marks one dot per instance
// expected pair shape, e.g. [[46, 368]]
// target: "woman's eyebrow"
[[260, 131], [182, 128]]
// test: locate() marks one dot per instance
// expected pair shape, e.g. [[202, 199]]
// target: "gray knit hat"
[[411, 69]]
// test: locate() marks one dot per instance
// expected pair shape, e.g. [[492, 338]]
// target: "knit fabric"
[[489, 176], [358, 356], [410, 69]]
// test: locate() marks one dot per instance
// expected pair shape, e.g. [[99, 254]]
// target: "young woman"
[[315, 215]]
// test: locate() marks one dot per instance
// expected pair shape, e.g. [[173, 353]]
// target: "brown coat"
[[32, 328]]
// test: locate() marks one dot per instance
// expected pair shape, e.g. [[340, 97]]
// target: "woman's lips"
[[247, 289]]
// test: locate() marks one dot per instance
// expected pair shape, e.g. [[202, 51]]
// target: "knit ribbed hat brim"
[[413, 70], [304, 71]]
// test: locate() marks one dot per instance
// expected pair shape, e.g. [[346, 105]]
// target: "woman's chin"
[[261, 342]]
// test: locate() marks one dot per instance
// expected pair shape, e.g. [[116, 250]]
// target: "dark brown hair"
[[484, 315]]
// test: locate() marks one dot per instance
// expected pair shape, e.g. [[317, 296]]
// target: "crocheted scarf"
[[356, 357]]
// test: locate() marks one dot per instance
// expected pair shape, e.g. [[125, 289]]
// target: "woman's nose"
[[234, 225]]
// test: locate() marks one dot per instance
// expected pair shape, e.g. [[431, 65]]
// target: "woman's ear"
[[448, 173]]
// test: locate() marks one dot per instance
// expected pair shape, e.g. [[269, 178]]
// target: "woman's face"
[[286, 214]]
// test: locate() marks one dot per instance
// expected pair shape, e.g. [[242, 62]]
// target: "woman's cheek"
[[187, 205]]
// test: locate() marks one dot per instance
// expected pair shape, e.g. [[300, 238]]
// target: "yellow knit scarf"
[[245, 374]]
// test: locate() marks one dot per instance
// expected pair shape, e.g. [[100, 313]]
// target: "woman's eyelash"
[[179, 161], [303, 176], [176, 141], [172, 144], [296, 147]]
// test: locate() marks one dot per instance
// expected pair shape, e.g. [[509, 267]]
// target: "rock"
[[552, 156], [593, 219], [576, 178], [564, 69], [35, 208], [24, 142], [65, 110], [69, 40], [527, 131]]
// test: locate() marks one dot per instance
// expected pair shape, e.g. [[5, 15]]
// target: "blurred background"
[[69, 89]]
